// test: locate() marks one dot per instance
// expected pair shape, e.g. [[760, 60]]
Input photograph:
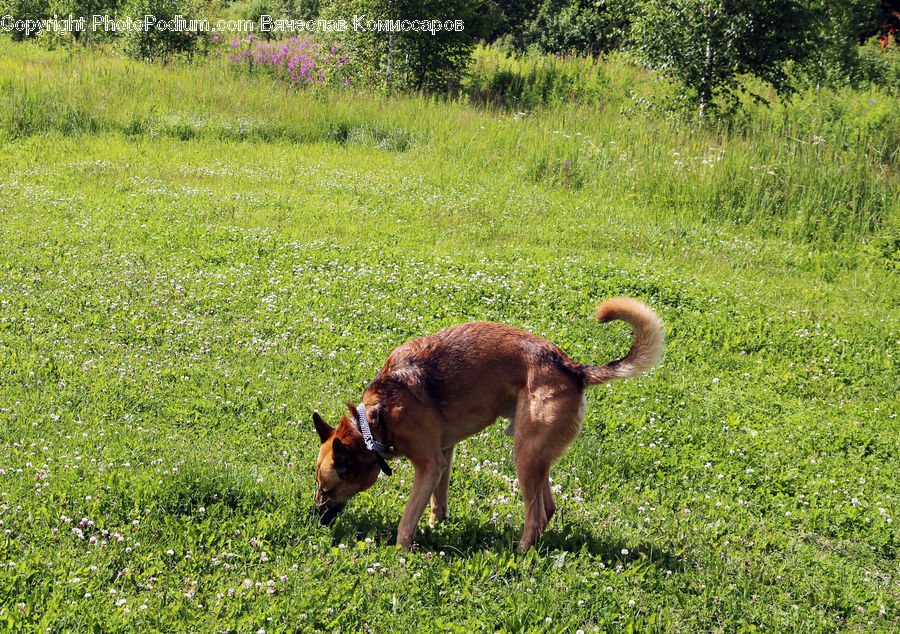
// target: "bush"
[[580, 26], [834, 59], [710, 47], [408, 59], [253, 10], [880, 66], [24, 10], [155, 43]]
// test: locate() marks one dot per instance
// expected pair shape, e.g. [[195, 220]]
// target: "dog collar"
[[373, 445]]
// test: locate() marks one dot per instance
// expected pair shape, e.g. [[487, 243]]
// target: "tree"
[[842, 26], [512, 19], [580, 26], [708, 45], [407, 57], [155, 44], [47, 9]]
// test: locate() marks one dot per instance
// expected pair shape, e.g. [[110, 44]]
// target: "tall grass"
[[823, 169], [533, 80]]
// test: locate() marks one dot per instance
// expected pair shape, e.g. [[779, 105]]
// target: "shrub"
[[24, 10], [408, 59], [580, 26], [709, 45], [157, 43]]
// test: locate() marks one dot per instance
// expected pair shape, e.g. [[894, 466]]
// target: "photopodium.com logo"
[[266, 24]]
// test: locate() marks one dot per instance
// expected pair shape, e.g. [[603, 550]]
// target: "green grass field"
[[195, 260]]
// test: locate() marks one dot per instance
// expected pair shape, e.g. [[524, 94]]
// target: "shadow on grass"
[[464, 537]]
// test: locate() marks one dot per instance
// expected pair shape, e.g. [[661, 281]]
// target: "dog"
[[437, 390]]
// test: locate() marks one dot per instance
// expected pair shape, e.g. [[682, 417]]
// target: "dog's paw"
[[510, 429], [436, 517]]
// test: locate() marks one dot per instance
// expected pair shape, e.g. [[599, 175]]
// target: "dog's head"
[[344, 466]]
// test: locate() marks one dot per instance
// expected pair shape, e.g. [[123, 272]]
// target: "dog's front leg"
[[428, 474], [439, 503]]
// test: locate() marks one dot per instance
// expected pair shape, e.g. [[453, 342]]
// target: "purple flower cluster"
[[301, 61]]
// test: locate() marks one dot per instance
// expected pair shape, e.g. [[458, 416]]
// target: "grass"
[[741, 176], [192, 267]]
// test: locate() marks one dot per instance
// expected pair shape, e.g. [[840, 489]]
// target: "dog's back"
[[473, 373], [493, 360]]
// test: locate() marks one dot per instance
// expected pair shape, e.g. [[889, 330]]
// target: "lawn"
[[191, 268]]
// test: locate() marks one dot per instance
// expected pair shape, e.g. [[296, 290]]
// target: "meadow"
[[196, 258]]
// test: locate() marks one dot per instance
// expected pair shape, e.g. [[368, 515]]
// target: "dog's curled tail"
[[646, 348]]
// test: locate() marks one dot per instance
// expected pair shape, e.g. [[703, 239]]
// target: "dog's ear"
[[324, 429], [374, 415], [342, 459], [354, 415]]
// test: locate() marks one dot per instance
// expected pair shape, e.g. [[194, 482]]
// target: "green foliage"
[[291, 9], [580, 26], [157, 43], [880, 67], [87, 8], [708, 45], [413, 59], [511, 20], [44, 9], [834, 57], [436, 62], [252, 10], [301, 9], [562, 26], [24, 10]]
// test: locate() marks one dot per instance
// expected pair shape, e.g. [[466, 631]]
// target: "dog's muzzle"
[[327, 511]]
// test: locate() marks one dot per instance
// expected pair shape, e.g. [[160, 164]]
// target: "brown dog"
[[435, 391]]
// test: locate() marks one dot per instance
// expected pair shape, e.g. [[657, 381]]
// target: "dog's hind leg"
[[429, 472], [439, 503], [533, 469], [547, 421], [549, 504]]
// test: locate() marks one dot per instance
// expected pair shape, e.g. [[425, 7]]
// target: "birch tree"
[[711, 45]]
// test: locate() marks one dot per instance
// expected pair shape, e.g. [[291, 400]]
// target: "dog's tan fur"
[[435, 391]]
